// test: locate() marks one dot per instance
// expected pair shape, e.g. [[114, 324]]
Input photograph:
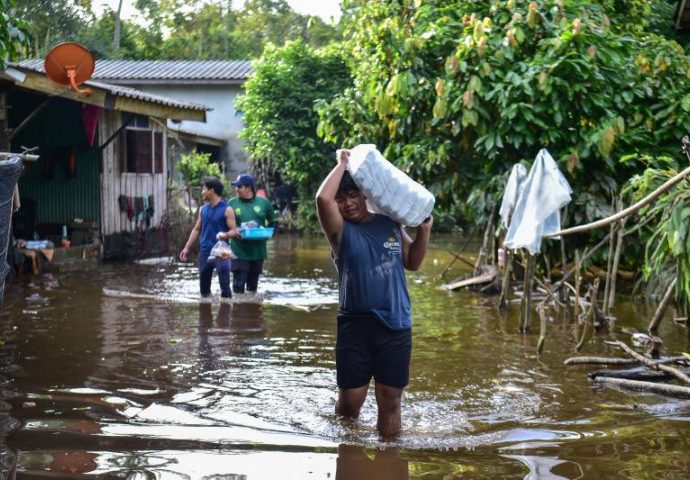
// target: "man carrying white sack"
[[370, 252]]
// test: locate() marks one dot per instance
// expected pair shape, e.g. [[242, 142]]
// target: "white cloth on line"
[[537, 212]]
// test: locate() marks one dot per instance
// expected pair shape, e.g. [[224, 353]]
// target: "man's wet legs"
[[223, 269], [205, 274], [350, 401], [255, 269], [388, 400]]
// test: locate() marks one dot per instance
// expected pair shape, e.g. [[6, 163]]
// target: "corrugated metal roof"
[[118, 90], [173, 69]]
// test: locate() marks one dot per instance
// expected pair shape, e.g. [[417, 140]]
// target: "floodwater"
[[120, 373]]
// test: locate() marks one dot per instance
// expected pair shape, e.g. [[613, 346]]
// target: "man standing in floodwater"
[[249, 208], [374, 339], [216, 221]]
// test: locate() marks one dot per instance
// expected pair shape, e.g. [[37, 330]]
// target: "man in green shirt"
[[249, 210]]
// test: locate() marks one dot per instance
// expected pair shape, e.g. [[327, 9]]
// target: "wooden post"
[[616, 263], [505, 281], [661, 309], [609, 264], [487, 240], [564, 294], [578, 283], [591, 313], [526, 304], [542, 330]]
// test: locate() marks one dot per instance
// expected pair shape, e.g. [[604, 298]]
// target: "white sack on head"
[[537, 212], [389, 190], [514, 186]]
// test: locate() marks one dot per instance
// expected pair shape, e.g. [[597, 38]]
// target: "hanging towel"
[[537, 212], [130, 208], [89, 116], [122, 203], [138, 205], [516, 182]]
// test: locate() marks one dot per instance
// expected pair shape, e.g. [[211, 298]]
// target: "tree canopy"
[[456, 91], [173, 29], [280, 119], [13, 36]]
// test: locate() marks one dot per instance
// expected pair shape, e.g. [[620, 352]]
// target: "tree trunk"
[[118, 27]]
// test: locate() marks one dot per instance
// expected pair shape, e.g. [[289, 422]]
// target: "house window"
[[142, 150]]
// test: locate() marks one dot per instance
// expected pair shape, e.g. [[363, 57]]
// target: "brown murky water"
[[121, 373]]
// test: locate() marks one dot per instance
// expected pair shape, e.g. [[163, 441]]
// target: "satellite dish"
[[70, 64]]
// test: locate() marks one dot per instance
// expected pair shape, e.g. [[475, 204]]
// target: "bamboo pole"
[[661, 309], [670, 183]]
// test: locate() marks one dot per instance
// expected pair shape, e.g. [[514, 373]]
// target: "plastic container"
[[256, 233], [389, 190]]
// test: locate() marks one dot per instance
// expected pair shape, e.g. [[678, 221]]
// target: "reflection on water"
[[123, 373], [354, 463]]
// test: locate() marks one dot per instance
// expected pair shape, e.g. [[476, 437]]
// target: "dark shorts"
[[366, 348]]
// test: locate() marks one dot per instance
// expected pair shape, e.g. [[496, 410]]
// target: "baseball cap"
[[243, 179]]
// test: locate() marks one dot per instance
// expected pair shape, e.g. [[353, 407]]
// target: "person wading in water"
[[216, 221], [374, 339]]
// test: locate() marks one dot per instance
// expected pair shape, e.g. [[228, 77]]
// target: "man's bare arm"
[[329, 216], [415, 250]]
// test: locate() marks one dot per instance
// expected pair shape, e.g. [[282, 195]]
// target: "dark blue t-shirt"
[[371, 272], [212, 222]]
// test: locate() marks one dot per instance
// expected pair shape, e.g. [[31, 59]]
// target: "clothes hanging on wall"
[[138, 208]]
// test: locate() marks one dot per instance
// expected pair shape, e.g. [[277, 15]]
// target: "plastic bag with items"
[[389, 190], [221, 251]]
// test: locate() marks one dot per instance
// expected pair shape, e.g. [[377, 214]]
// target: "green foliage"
[[172, 29], [280, 121], [53, 21], [666, 235], [455, 92], [13, 37], [195, 166], [263, 22]]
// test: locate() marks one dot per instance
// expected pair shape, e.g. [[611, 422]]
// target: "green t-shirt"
[[261, 211]]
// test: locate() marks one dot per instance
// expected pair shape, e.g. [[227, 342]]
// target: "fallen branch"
[[617, 361], [651, 387], [651, 363], [638, 373], [486, 278], [599, 361]]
